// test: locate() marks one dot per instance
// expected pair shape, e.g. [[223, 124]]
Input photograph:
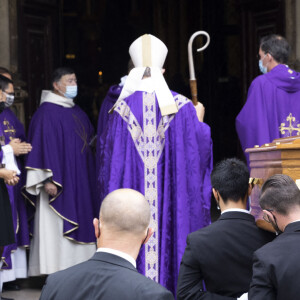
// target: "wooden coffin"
[[282, 156]]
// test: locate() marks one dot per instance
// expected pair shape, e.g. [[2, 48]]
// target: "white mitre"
[[149, 51]]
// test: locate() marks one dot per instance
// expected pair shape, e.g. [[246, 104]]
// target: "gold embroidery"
[[290, 127], [10, 130]]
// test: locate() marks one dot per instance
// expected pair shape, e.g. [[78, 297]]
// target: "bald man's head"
[[125, 210]]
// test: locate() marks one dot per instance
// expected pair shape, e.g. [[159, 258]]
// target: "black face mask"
[[2, 106], [275, 226]]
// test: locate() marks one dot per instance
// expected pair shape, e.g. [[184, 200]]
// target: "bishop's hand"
[[50, 188], [200, 110]]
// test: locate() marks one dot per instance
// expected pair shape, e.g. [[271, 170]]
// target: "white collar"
[[146, 85], [157, 83], [235, 209], [118, 253], [49, 96], [295, 221]]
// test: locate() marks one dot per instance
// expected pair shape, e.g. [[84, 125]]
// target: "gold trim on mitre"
[[146, 50]]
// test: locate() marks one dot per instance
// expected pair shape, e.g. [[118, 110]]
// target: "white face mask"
[[262, 68], [9, 100]]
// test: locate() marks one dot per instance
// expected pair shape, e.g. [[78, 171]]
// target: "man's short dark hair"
[[230, 178], [277, 46], [60, 72], [4, 71], [279, 193], [4, 82]]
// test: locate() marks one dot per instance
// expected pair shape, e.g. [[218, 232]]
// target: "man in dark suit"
[[276, 266], [111, 273], [217, 262]]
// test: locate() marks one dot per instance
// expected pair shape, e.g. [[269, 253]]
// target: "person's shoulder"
[[179, 98], [62, 275], [259, 81], [205, 232], [10, 116], [272, 247], [46, 108], [45, 113], [8, 112], [150, 289], [77, 109]]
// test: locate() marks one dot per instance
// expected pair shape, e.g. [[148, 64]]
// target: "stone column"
[[9, 53], [4, 34], [292, 29]]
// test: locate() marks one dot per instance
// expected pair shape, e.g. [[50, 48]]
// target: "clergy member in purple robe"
[[61, 174], [155, 144], [14, 255], [272, 109]]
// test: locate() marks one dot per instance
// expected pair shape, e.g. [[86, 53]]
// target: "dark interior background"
[[93, 37]]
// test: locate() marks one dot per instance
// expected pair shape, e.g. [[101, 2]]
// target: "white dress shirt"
[[118, 253], [235, 209]]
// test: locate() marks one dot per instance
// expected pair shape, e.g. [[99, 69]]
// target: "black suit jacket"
[[104, 276], [220, 255], [276, 268]]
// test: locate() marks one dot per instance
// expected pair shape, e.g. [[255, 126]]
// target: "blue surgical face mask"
[[262, 68], [71, 91]]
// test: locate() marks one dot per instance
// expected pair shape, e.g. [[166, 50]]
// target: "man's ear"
[[150, 232], [96, 227], [55, 86], [269, 215], [215, 193], [249, 189]]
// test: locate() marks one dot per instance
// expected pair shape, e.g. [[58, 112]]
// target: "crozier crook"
[[193, 81]]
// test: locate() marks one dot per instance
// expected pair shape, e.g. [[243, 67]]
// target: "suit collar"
[[292, 227], [236, 215], [118, 253], [113, 259]]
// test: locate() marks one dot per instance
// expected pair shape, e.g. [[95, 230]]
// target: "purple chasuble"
[[60, 139], [272, 109], [169, 160], [12, 128]]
